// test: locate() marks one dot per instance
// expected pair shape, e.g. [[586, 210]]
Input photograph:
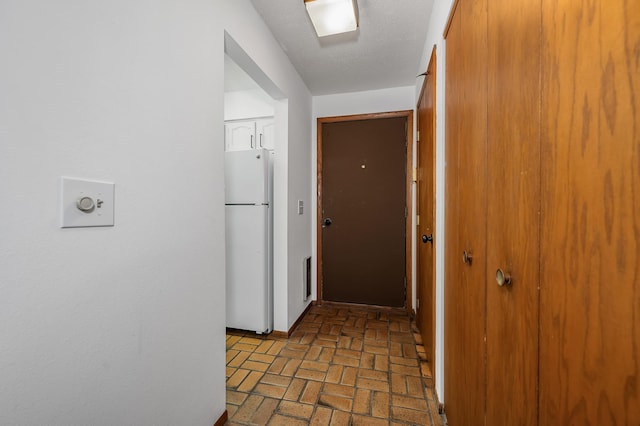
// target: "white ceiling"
[[384, 52]]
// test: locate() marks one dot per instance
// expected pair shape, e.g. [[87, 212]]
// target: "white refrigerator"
[[249, 260]]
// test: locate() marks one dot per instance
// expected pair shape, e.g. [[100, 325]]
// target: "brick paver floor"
[[341, 366]]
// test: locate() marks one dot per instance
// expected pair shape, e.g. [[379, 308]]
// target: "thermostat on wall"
[[86, 203]]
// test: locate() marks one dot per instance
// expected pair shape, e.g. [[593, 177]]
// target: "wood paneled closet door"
[[454, 313], [425, 186], [590, 271], [562, 211], [465, 297], [513, 166], [493, 141]]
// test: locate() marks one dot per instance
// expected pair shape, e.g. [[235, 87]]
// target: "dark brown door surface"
[[426, 212], [590, 241], [363, 211], [465, 309], [513, 207]]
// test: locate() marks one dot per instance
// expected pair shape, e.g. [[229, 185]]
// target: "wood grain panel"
[[590, 273], [426, 211], [453, 314], [513, 210], [467, 139], [472, 190]]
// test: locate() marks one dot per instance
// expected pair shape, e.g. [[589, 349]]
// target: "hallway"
[[341, 366]]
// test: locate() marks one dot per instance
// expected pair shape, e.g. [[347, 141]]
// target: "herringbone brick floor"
[[341, 366]]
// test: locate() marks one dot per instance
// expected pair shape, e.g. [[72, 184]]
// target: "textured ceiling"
[[384, 52]]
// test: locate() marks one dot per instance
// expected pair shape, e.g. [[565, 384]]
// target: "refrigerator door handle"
[[252, 142]]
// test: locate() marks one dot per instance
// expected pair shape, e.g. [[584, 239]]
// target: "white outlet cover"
[[101, 193]]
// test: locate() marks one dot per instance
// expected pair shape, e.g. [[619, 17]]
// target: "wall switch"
[[86, 203], [300, 206]]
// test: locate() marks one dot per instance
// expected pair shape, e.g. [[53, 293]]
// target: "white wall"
[[371, 101], [367, 102], [437, 24], [243, 104], [269, 66], [120, 325]]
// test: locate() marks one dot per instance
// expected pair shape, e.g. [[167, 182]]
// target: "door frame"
[[431, 71], [408, 203]]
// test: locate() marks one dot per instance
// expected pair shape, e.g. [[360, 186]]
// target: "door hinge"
[[414, 175], [417, 220], [417, 135], [417, 303], [405, 212]]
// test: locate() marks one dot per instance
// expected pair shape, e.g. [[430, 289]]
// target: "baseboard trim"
[[223, 418], [285, 334]]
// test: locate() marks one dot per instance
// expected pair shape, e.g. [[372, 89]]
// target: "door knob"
[[466, 257], [327, 222], [502, 278], [427, 238]]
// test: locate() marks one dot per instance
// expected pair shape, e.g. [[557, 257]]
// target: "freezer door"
[[247, 177], [248, 274]]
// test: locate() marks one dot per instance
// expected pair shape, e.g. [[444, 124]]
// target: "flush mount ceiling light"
[[332, 16]]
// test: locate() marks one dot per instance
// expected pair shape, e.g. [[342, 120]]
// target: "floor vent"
[[307, 278]]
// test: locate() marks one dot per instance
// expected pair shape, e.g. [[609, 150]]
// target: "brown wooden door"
[[363, 211], [426, 211], [513, 206], [466, 236], [590, 245]]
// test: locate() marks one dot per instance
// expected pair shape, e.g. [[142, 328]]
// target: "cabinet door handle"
[[503, 278], [252, 142], [466, 257], [260, 140]]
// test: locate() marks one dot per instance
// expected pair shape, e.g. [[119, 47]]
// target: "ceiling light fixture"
[[332, 16]]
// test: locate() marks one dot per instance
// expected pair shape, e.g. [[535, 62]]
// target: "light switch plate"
[[300, 206], [86, 203]]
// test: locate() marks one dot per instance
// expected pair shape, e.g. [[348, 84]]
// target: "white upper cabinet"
[[265, 133], [239, 135], [249, 134]]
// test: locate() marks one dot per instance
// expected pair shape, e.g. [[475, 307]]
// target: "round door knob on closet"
[[503, 278], [466, 257], [427, 238]]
